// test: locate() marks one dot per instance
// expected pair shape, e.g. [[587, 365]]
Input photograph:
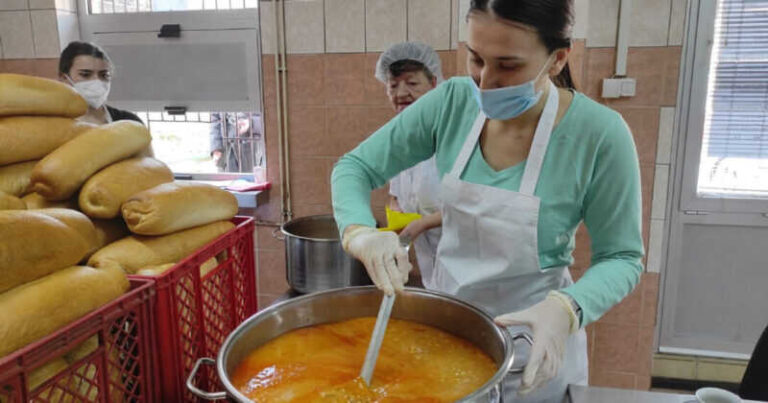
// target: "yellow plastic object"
[[397, 220]]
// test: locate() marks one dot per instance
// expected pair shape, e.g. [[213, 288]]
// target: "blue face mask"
[[508, 102]]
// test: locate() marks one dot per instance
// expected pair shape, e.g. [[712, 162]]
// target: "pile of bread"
[[80, 208]]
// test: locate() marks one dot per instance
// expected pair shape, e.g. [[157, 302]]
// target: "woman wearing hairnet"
[[410, 70], [524, 159]]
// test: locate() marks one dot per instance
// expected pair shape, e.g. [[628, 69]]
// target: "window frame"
[[692, 101]]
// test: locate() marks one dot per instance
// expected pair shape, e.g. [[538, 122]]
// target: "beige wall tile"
[[69, 28], [345, 26], [666, 127], [462, 19], [267, 26], [602, 23], [677, 22], [385, 23], [580, 18], [660, 182], [649, 23], [305, 26], [45, 33], [16, 35], [14, 5], [454, 24], [429, 21], [655, 246], [674, 367], [41, 4]]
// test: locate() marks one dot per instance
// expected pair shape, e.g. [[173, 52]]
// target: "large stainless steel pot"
[[422, 306], [314, 258]]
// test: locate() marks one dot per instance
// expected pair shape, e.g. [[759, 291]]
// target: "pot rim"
[[308, 218], [486, 388]]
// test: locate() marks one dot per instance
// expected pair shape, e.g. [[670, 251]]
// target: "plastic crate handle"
[[201, 393]]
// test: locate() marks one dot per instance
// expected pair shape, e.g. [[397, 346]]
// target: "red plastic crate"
[[194, 315], [120, 369]]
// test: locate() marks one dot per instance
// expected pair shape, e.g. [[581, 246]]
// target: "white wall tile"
[[463, 10], [305, 26], [385, 23], [345, 26], [16, 35], [45, 32], [649, 23], [429, 21], [655, 246], [41, 4], [69, 28], [67, 5], [14, 5], [677, 22], [664, 144], [660, 183], [602, 23], [580, 19], [267, 27]]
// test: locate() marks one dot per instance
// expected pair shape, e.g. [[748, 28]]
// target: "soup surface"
[[417, 363]]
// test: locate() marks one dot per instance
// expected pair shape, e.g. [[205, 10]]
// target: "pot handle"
[[201, 393], [517, 336], [277, 234]]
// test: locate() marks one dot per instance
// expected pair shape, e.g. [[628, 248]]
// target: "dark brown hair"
[[75, 49], [409, 66], [552, 19]]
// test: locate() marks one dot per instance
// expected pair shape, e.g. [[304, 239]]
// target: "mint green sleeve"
[[612, 213], [407, 139]]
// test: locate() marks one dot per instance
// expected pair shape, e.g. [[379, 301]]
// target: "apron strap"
[[540, 140], [469, 145]]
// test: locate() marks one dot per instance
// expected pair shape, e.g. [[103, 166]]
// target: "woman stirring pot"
[[524, 159]]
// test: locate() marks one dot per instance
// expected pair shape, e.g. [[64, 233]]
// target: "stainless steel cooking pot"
[[422, 306], [314, 258]]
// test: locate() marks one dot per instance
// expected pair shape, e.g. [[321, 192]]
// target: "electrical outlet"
[[619, 87]]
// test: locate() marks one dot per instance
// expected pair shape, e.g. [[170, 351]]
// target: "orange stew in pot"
[[417, 363]]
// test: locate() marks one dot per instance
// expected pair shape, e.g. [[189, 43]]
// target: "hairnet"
[[417, 51]]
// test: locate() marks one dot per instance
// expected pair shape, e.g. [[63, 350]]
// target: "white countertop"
[[593, 394]]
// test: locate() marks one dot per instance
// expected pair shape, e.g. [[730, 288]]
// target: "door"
[[714, 301]]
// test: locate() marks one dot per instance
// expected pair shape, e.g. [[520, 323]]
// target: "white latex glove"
[[551, 321], [382, 255]]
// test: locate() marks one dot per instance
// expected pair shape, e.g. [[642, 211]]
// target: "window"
[[143, 6], [208, 143], [734, 152]]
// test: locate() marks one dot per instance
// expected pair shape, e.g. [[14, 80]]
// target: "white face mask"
[[95, 92]]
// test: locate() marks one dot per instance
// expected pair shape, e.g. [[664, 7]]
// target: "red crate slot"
[[194, 315], [112, 355]]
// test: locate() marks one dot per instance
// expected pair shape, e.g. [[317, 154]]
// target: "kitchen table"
[[593, 394]]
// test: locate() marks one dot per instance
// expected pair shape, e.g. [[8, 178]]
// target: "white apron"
[[418, 191], [488, 254]]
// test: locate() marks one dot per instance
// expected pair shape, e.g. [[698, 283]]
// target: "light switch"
[[619, 87]]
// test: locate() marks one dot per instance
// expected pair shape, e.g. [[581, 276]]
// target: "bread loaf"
[[60, 174], [36, 309], [78, 222], [35, 244], [28, 95], [176, 206], [136, 252], [25, 138], [155, 270], [14, 178], [108, 231], [10, 202], [35, 202], [104, 193]]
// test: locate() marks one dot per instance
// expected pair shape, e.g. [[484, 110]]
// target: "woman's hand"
[[415, 228], [551, 321], [385, 260]]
